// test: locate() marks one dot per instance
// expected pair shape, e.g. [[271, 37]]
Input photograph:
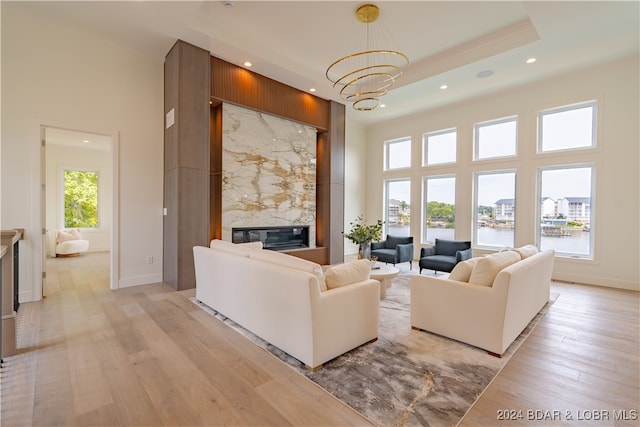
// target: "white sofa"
[[278, 297], [484, 311], [64, 243]]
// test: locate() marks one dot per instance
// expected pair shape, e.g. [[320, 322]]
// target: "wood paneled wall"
[[186, 162], [230, 83]]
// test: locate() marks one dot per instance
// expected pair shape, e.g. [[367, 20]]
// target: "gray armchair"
[[395, 249], [444, 255]]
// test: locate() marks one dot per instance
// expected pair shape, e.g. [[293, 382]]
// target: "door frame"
[[114, 269]]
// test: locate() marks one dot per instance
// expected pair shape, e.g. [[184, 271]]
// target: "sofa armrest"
[[465, 312], [345, 318], [404, 252], [427, 251], [463, 255]]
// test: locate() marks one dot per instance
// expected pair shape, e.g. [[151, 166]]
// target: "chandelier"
[[365, 76]]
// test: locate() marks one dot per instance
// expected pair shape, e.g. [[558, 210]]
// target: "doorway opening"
[[79, 195]]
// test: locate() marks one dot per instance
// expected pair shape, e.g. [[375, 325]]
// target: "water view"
[[575, 242]]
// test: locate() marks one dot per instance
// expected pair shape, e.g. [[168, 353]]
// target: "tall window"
[[495, 203], [566, 225], [397, 154], [440, 208], [80, 198], [496, 138], [567, 128], [397, 206], [439, 147]]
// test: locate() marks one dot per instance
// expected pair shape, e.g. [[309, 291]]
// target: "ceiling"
[[447, 42]]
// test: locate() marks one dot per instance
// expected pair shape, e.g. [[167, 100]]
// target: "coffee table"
[[384, 274]]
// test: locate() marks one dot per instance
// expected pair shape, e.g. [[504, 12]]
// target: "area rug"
[[406, 377]]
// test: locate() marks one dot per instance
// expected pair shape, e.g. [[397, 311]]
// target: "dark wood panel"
[[318, 254], [237, 85], [186, 174]]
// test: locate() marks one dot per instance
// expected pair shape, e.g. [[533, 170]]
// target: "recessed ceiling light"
[[531, 60], [313, 89], [86, 141], [484, 74], [382, 105], [247, 64], [444, 87]]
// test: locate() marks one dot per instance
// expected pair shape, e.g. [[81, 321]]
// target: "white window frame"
[[590, 256], [476, 138], [425, 201], [475, 205], [386, 201], [425, 146], [594, 116], [387, 152]]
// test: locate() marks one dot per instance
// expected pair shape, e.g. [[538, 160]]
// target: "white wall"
[[355, 178], [57, 76], [61, 157], [615, 86]]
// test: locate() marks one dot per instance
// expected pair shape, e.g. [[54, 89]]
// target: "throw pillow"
[[527, 250], [65, 236], [488, 267], [293, 262], [238, 249], [348, 273], [462, 271]]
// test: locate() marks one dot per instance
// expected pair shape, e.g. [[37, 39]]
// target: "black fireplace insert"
[[277, 238]]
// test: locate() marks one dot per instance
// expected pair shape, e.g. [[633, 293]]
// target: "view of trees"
[[80, 199], [440, 212]]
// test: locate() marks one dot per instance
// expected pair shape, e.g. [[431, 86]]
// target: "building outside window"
[[495, 203], [397, 207], [439, 197], [397, 154], [568, 230], [80, 199]]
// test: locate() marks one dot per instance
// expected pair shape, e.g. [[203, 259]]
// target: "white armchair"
[[66, 243]]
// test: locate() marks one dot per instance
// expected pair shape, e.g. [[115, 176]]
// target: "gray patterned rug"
[[406, 377]]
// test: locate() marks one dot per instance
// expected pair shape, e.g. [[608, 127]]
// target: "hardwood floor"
[[147, 356]]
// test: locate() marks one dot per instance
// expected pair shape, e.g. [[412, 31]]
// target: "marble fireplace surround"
[[268, 172]]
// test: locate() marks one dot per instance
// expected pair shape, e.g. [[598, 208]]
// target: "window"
[[566, 210], [440, 209], [495, 208], [567, 128], [80, 199], [397, 206], [497, 138], [397, 154], [439, 147]]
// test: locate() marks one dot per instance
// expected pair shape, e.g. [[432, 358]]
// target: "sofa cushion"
[[68, 235], [526, 251], [488, 266], [292, 262], [462, 271], [242, 249], [348, 273]]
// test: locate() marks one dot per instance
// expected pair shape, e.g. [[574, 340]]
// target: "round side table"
[[384, 274]]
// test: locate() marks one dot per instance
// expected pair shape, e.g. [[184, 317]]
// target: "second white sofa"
[[281, 299], [487, 301]]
